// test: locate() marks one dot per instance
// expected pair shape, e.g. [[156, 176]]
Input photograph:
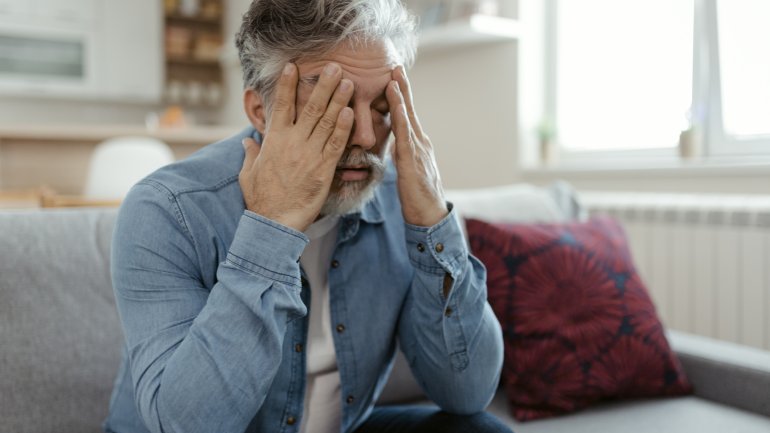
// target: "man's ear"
[[255, 109]]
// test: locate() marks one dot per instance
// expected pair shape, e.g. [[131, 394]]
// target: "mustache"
[[361, 158]]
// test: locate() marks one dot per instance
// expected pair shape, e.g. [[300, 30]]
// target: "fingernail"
[[396, 87], [244, 143], [345, 85], [287, 69], [331, 69]]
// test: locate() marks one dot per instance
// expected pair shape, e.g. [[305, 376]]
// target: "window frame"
[[706, 94]]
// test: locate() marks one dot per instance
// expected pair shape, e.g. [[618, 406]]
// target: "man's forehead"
[[372, 83], [362, 64]]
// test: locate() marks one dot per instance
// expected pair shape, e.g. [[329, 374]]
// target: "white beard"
[[351, 197]]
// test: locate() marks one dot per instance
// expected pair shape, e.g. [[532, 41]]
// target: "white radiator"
[[704, 258]]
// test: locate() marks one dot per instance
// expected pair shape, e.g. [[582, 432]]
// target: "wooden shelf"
[[191, 135], [194, 20], [475, 30], [193, 62], [192, 51]]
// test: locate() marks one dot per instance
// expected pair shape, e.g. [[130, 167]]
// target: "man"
[[263, 282]]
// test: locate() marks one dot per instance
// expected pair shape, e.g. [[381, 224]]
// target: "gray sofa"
[[60, 339]]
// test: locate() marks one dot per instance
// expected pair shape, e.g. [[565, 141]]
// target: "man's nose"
[[362, 134]]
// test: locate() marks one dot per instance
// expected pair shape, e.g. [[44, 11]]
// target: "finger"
[[328, 122], [251, 150], [319, 99], [285, 97], [399, 74], [337, 142], [401, 126]]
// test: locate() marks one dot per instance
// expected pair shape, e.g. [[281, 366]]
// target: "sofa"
[[61, 338]]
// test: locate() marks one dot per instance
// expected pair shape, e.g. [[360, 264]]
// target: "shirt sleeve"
[[447, 330], [186, 343]]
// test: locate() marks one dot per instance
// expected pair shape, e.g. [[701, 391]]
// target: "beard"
[[350, 196]]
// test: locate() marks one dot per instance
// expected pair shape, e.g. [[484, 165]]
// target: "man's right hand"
[[287, 178]]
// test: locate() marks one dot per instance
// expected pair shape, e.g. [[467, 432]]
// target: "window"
[[744, 66], [628, 76]]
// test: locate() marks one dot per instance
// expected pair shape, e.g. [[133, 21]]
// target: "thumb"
[[251, 151]]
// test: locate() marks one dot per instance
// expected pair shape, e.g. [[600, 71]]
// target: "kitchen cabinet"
[[82, 49]]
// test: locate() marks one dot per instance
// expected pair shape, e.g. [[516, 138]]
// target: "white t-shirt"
[[323, 404]]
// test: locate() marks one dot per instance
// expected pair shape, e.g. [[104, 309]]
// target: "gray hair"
[[275, 32]]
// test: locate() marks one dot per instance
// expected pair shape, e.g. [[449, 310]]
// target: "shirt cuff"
[[438, 249], [267, 248]]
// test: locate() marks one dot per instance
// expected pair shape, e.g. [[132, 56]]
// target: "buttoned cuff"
[[439, 249], [267, 248]]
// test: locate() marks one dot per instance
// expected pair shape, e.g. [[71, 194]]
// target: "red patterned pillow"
[[578, 324]]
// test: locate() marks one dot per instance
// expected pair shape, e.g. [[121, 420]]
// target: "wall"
[[466, 101], [466, 104], [232, 112]]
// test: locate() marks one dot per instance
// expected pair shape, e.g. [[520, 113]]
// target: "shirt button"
[[420, 247], [335, 264], [298, 348], [448, 312], [439, 248], [291, 420], [350, 399], [340, 328]]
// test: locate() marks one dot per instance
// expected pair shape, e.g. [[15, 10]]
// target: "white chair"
[[118, 163]]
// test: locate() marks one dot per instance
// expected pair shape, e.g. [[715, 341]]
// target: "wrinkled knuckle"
[[335, 141], [313, 110], [326, 123], [280, 104]]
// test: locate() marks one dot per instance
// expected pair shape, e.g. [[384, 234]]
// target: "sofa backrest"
[[60, 336], [59, 330]]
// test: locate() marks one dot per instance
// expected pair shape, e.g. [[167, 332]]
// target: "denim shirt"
[[214, 306]]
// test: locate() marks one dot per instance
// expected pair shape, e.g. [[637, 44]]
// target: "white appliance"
[[81, 49]]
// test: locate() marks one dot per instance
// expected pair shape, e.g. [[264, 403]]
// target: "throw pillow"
[[578, 323]]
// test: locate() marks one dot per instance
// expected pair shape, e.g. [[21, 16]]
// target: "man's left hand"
[[419, 182]]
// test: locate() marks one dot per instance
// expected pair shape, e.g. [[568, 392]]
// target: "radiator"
[[704, 258]]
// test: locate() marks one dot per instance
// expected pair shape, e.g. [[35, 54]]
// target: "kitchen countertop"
[[194, 135]]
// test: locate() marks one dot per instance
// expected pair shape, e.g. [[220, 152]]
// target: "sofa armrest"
[[725, 372]]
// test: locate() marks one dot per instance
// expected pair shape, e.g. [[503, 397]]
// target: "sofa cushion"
[[59, 329], [664, 415], [577, 321]]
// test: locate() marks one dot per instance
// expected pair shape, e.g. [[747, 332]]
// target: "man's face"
[[361, 167]]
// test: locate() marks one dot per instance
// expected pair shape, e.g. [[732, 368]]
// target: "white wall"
[[466, 102], [232, 111]]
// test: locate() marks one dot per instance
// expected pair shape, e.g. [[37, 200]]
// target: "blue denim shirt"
[[214, 306]]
